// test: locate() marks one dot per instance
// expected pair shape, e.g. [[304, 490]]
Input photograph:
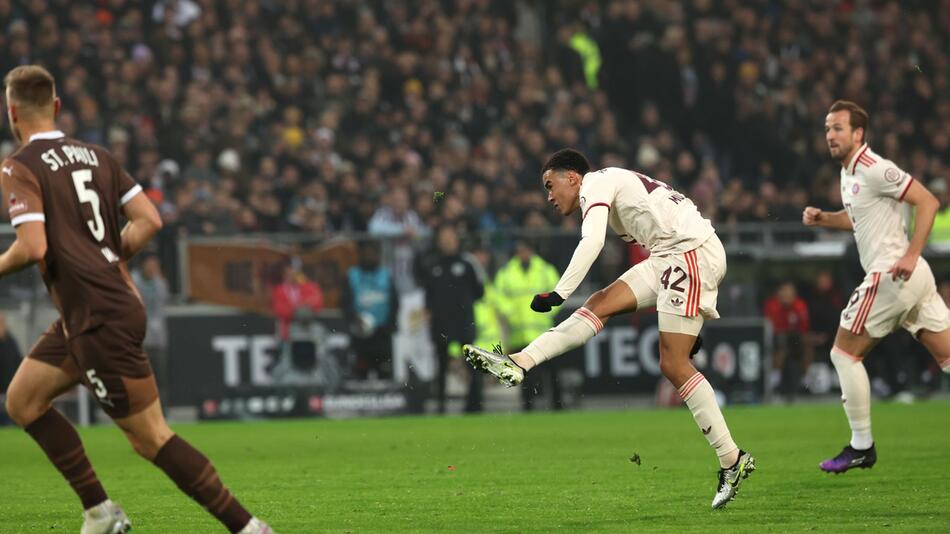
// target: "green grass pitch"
[[516, 473]]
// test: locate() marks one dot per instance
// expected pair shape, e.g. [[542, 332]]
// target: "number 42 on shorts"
[[675, 286]]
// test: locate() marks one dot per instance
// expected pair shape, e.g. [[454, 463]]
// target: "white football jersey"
[[872, 189], [645, 211]]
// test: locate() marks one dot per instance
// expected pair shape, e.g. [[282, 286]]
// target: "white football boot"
[[106, 517], [729, 479], [495, 363], [256, 526]]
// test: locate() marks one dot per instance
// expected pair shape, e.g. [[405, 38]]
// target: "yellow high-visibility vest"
[[514, 288]]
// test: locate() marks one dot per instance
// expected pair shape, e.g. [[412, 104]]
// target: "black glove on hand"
[[543, 302]]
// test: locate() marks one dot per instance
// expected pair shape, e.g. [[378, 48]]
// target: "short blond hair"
[[31, 87]]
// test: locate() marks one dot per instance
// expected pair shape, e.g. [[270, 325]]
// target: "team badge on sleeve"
[[16, 205], [892, 175]]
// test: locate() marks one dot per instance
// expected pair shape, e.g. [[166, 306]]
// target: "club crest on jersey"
[[855, 188], [676, 302], [16, 205], [892, 175]]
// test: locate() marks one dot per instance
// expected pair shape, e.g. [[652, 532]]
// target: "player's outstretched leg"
[[510, 370], [28, 402], [675, 350], [847, 356], [571, 333], [191, 471]]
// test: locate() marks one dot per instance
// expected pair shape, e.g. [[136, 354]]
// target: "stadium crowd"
[[316, 116], [395, 118]]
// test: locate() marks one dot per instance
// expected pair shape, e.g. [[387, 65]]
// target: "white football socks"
[[569, 334], [701, 400], [855, 396]]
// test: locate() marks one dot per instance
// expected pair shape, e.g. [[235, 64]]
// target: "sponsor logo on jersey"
[[676, 302], [892, 175], [16, 205]]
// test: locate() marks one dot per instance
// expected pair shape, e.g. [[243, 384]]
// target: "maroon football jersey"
[[78, 191]]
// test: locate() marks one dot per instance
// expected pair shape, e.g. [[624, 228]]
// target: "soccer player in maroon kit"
[[65, 201]]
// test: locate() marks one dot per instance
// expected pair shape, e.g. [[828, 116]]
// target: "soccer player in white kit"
[[681, 278], [899, 289]]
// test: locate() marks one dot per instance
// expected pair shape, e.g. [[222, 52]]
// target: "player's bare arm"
[[836, 220], [926, 205], [28, 248], [144, 222]]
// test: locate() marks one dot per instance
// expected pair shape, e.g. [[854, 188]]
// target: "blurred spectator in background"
[[825, 302], [516, 283], [371, 305], [395, 218], [295, 298], [396, 221], [155, 295], [10, 358], [452, 283], [295, 301], [788, 314]]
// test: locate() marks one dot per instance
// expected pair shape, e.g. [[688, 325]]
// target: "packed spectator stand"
[[390, 119], [312, 116]]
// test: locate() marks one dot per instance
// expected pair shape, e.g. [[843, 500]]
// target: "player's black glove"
[[697, 346], [543, 302]]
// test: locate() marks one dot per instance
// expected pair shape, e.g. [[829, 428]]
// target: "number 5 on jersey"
[[96, 226]]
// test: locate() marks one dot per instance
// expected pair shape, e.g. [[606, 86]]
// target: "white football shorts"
[[881, 304], [683, 285]]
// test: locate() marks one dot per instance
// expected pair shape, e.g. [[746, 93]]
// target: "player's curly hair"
[[567, 159]]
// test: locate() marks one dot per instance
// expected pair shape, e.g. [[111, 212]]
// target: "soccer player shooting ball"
[[681, 278], [899, 290]]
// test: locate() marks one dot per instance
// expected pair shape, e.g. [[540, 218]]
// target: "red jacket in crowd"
[[786, 318], [288, 297]]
